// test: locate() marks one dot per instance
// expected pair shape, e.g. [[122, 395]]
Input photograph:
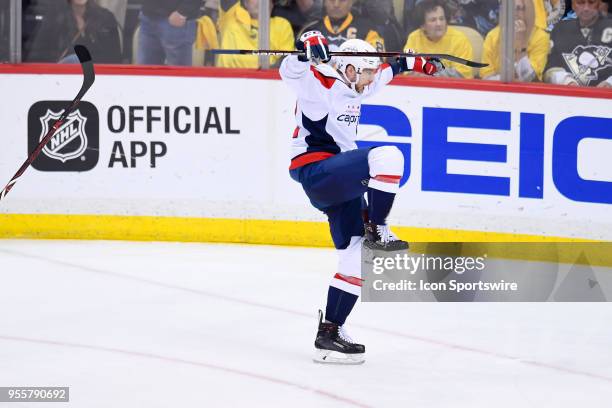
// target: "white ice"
[[203, 325]]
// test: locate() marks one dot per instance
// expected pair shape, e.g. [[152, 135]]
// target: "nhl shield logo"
[[75, 146], [69, 141]]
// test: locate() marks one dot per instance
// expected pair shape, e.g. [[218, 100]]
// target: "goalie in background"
[[335, 174]]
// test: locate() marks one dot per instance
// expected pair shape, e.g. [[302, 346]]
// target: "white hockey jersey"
[[327, 109]]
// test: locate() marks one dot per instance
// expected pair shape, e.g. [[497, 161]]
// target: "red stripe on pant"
[[385, 178], [349, 279], [308, 158]]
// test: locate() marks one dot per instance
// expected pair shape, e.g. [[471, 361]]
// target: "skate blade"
[[335, 357]]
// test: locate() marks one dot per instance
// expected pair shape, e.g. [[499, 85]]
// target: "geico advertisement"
[[486, 154], [220, 147]]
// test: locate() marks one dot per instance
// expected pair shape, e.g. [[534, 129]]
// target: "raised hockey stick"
[[448, 57], [88, 79]]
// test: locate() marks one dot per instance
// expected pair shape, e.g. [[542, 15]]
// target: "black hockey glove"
[[314, 46]]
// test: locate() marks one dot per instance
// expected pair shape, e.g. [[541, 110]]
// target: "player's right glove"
[[427, 66], [314, 46]]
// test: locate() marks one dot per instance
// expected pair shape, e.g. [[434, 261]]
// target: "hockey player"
[[335, 174]]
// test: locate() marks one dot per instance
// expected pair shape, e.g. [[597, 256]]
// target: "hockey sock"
[[339, 305], [379, 205]]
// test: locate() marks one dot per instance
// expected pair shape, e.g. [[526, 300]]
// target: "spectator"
[[548, 13], [571, 14], [531, 45], [211, 8], [540, 15], [604, 8], [206, 38], [554, 12], [298, 12], [339, 25], [76, 22], [568, 7], [227, 12], [408, 16], [241, 31], [117, 7], [581, 51], [481, 15], [435, 36], [167, 32], [382, 13]]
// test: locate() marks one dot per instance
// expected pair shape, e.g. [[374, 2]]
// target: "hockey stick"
[[448, 57], [88, 79]]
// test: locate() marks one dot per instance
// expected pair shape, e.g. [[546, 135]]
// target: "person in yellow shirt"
[[228, 9], [240, 30], [206, 39], [540, 14], [206, 34], [435, 36], [531, 47]]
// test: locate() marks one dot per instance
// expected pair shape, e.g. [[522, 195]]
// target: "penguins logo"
[[69, 141], [584, 62]]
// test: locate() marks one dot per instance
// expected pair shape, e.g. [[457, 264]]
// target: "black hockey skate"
[[380, 237], [334, 346]]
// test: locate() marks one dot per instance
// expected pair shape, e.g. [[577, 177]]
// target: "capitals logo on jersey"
[[351, 115], [586, 61]]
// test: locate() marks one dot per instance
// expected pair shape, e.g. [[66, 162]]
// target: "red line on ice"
[[230, 370]]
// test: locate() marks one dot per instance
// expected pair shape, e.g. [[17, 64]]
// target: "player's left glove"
[[427, 66], [314, 46]]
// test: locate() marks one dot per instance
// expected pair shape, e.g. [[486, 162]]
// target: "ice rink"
[[203, 325]]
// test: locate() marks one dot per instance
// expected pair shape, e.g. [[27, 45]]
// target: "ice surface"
[[185, 325]]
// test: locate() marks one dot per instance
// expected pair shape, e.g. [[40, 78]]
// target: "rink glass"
[[32, 13], [5, 31]]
